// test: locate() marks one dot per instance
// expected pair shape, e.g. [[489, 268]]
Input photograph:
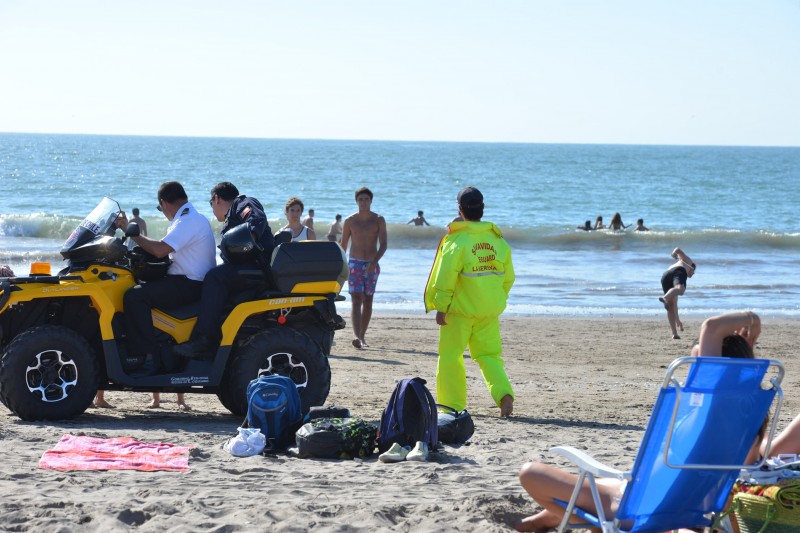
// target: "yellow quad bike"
[[63, 336]]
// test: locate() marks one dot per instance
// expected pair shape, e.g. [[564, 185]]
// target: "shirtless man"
[[365, 232], [335, 229], [419, 220], [309, 220], [673, 283], [140, 221]]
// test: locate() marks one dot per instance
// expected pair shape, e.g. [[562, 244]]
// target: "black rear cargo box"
[[314, 267]]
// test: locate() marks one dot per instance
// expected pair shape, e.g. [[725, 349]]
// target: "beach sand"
[[585, 382]]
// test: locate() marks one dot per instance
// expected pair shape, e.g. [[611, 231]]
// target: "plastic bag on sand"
[[249, 441]]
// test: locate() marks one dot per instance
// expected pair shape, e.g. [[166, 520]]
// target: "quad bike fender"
[[232, 324], [104, 286]]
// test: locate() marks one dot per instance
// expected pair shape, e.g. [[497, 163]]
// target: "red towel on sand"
[[121, 453]]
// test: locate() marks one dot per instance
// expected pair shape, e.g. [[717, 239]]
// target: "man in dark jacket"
[[233, 210]]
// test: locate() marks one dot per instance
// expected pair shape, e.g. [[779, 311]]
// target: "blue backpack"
[[410, 416], [274, 407]]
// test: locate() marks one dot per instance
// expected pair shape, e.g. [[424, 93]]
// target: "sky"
[[712, 72]]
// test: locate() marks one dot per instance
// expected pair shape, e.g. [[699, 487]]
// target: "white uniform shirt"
[[192, 238]]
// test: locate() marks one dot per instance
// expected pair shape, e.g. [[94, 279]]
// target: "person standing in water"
[[598, 223], [419, 220], [616, 223], [309, 220], [335, 229], [140, 221]]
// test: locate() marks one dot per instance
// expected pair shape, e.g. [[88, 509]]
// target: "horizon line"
[[244, 137]]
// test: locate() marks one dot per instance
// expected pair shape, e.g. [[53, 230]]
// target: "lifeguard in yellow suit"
[[468, 287]]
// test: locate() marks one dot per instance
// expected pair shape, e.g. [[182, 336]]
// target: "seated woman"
[[787, 441], [728, 335]]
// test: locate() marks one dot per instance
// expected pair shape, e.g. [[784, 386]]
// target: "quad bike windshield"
[[98, 224]]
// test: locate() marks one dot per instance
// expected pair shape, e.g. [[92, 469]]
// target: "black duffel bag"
[[454, 427], [336, 438]]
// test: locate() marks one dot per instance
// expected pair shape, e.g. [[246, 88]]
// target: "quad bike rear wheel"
[[282, 351], [48, 373]]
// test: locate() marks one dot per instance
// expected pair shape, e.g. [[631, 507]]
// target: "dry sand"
[[589, 383]]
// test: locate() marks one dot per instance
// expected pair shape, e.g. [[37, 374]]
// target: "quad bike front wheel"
[[48, 373], [281, 351]]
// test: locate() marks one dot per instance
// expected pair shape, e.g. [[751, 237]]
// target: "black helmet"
[[147, 267], [238, 245]]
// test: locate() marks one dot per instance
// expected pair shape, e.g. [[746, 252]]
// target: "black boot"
[[201, 347], [157, 368]]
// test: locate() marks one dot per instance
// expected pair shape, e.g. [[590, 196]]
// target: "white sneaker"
[[395, 454], [419, 453]]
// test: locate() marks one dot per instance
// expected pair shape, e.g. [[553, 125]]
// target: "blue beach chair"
[[693, 448]]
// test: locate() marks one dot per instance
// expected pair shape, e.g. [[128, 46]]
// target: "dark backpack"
[[409, 417], [274, 406], [336, 438]]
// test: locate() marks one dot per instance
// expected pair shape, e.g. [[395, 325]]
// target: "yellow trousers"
[[485, 347]]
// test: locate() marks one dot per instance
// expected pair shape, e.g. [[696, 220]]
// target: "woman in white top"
[[294, 210]]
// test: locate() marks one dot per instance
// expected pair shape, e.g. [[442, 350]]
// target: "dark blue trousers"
[[218, 284], [165, 293]]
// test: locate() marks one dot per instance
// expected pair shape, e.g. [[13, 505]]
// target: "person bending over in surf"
[[673, 282]]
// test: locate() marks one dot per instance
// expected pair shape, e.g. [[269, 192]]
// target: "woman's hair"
[[294, 200], [736, 346], [599, 218], [616, 218]]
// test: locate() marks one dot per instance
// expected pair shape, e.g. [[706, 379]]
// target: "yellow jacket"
[[472, 272]]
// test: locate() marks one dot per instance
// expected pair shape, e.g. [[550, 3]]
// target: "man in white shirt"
[[190, 244]]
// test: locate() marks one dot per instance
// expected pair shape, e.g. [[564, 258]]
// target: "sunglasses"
[[159, 205]]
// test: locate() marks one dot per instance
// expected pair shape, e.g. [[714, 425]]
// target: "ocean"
[[733, 210]]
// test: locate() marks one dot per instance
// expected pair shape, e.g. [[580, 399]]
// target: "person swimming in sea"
[[616, 223]]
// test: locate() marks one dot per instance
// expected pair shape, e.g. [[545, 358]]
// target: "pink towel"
[[121, 453]]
